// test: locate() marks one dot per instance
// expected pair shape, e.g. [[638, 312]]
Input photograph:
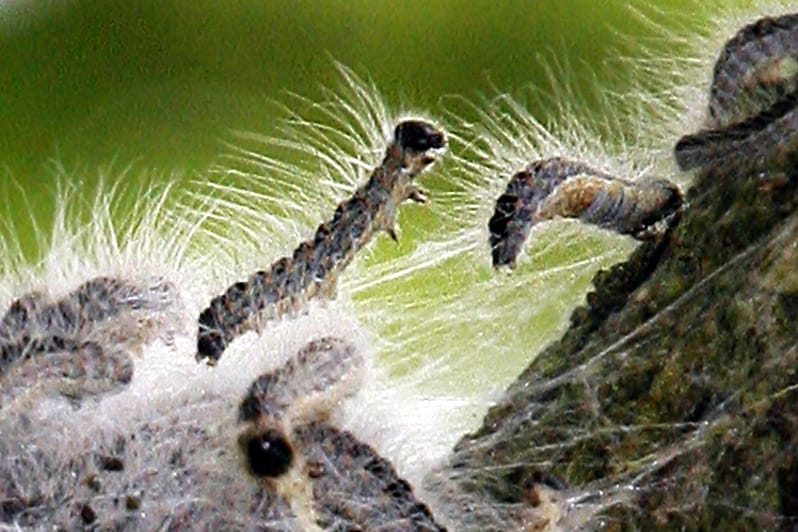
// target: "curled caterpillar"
[[309, 386], [557, 187], [752, 100], [315, 467], [316, 263], [307, 379]]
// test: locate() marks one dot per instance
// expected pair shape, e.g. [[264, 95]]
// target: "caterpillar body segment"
[[756, 68], [760, 141], [557, 187], [313, 269]]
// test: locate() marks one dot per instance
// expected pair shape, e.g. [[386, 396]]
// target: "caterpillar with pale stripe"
[[752, 100], [315, 467], [555, 187], [314, 267]]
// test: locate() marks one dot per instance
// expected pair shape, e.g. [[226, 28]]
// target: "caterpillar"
[[554, 187], [315, 466], [313, 268], [64, 342], [32, 324], [320, 366], [752, 99], [72, 368], [354, 488]]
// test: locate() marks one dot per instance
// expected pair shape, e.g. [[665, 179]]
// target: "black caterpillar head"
[[268, 452], [418, 136], [503, 246]]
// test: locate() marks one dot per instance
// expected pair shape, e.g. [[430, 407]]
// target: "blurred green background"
[[162, 80], [160, 83]]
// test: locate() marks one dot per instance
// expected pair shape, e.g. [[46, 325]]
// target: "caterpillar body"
[[309, 377], [354, 488], [315, 467], [63, 343], [314, 267], [555, 187], [752, 100]]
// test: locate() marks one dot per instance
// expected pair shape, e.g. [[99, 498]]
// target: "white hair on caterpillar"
[[431, 317]]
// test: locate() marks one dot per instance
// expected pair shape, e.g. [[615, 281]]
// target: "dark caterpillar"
[[316, 369], [315, 265], [752, 100], [557, 187], [309, 386], [354, 488], [286, 437]]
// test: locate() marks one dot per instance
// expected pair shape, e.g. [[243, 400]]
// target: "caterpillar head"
[[267, 451], [420, 143]]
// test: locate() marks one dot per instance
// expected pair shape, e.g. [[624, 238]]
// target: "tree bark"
[[672, 400]]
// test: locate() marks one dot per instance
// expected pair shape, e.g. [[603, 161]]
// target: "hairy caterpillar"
[[593, 502], [71, 368], [314, 267], [304, 388], [166, 451], [183, 469], [322, 365], [316, 467], [355, 488], [752, 99], [557, 187], [67, 342]]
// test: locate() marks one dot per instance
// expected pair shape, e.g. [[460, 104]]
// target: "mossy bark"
[[672, 400]]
